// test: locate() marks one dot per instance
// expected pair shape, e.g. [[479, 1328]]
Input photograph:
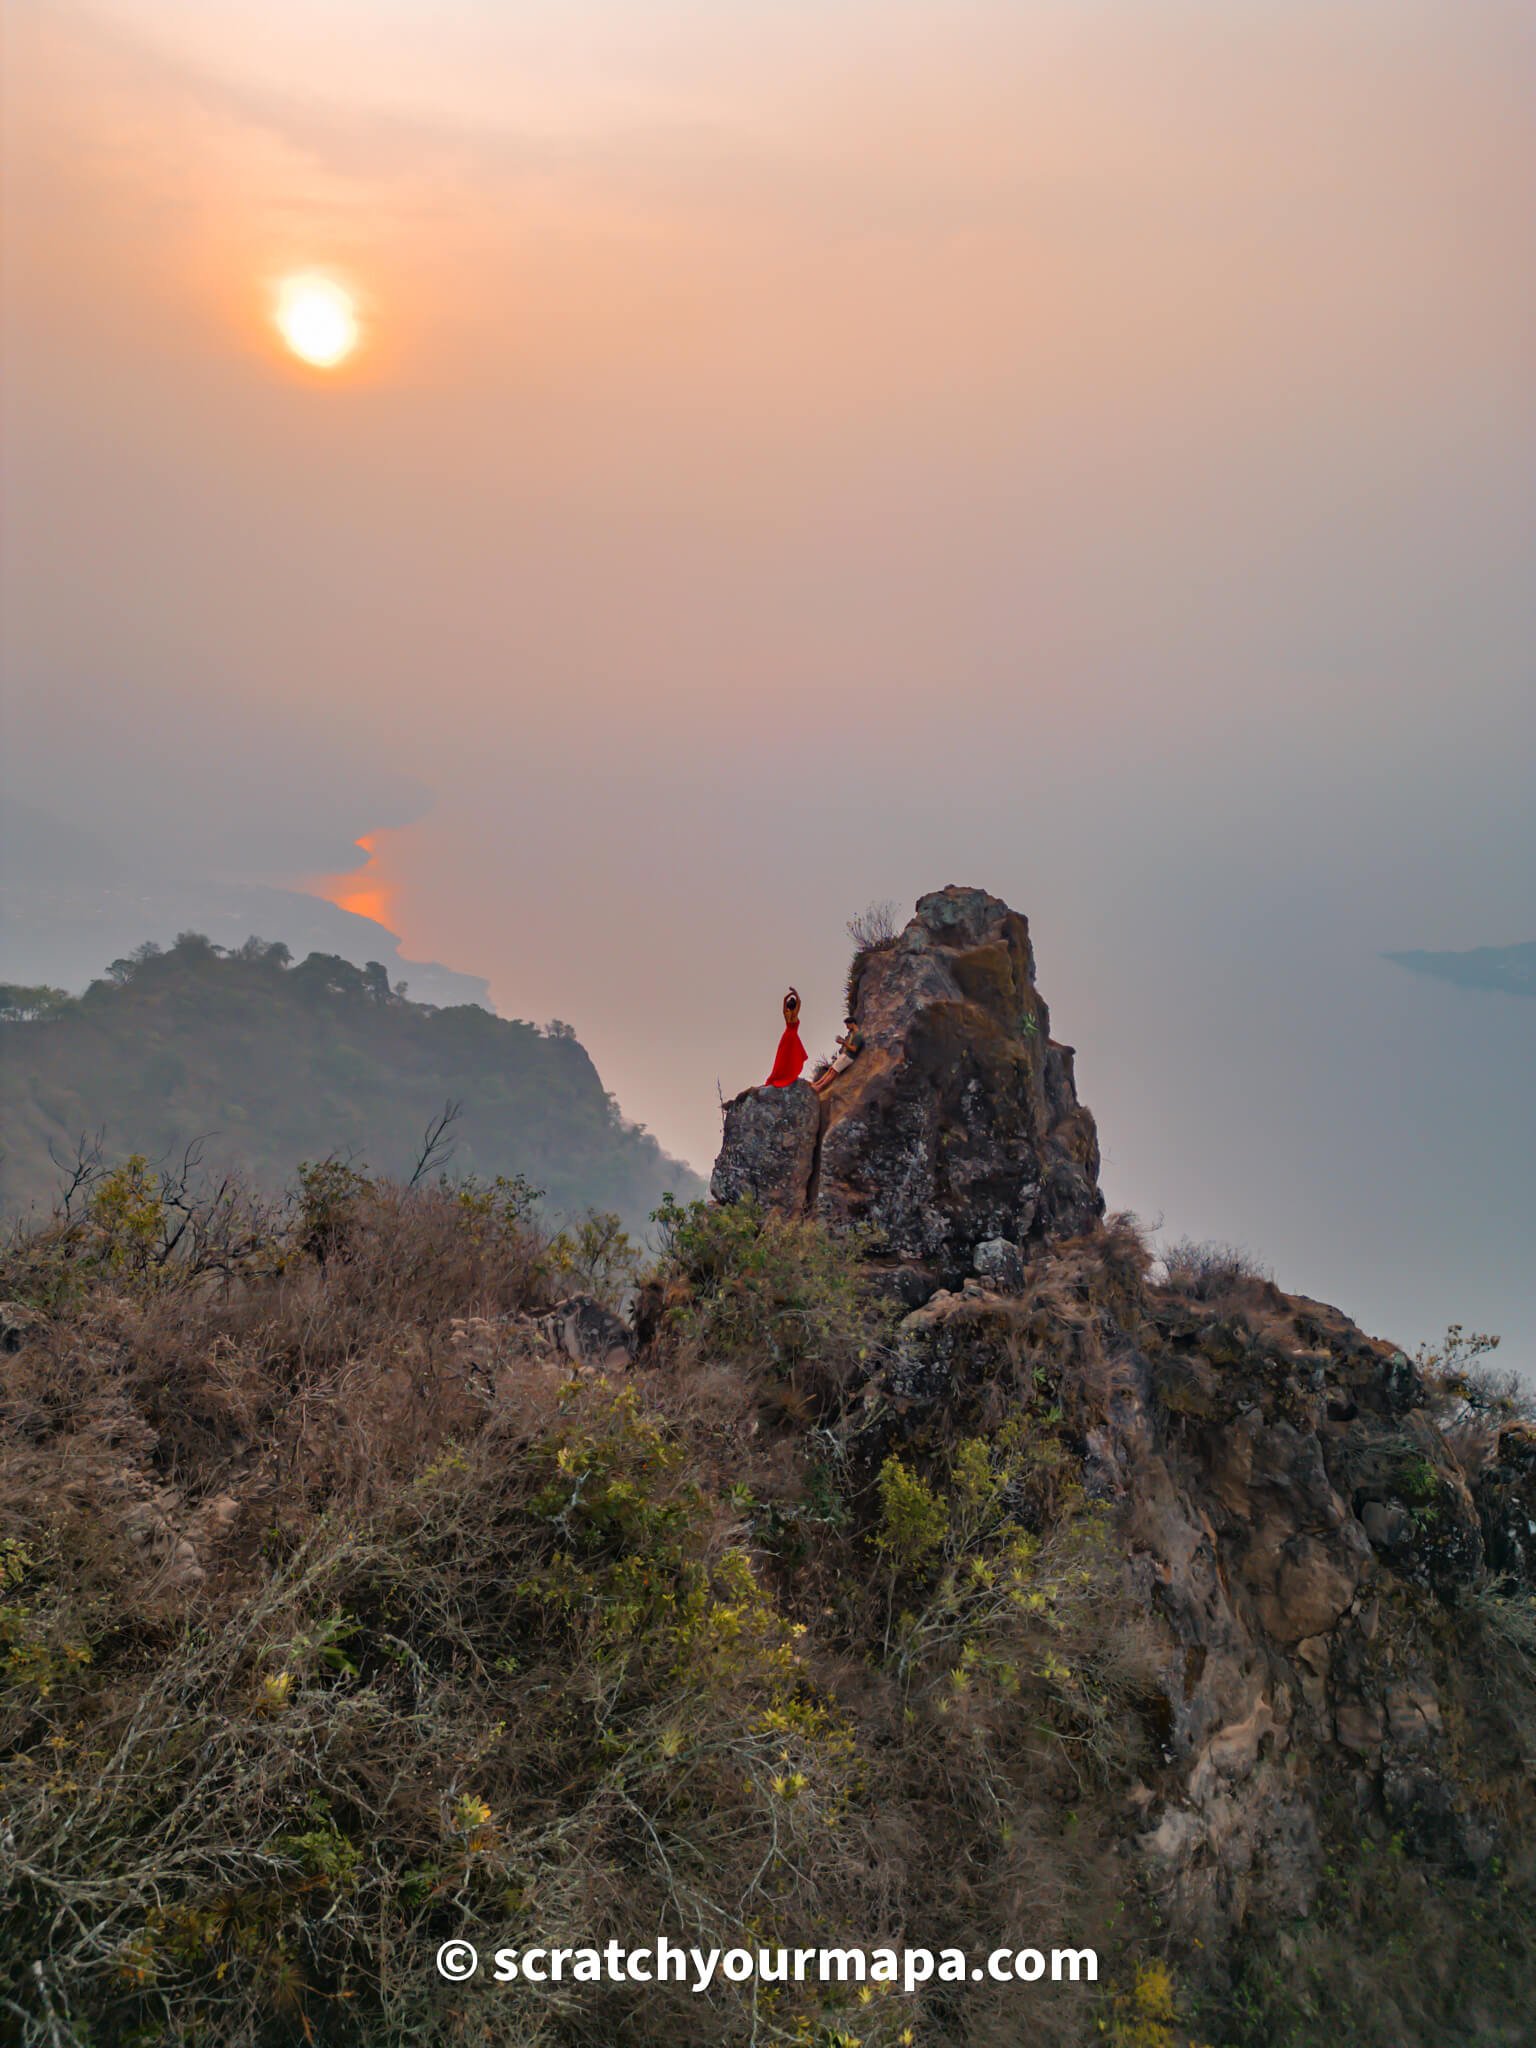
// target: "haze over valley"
[[789, 462]]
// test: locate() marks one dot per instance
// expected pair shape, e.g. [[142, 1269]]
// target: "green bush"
[[754, 1286]]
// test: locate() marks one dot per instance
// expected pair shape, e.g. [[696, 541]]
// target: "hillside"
[[268, 1064], [918, 1568]]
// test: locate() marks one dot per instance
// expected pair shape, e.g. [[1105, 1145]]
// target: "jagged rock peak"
[[957, 1125]]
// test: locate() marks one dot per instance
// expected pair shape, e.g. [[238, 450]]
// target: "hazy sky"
[[806, 454]]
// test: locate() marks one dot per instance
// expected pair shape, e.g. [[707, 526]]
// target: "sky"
[[804, 455]]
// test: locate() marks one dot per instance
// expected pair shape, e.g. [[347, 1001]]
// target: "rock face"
[[769, 1149], [958, 1125], [1301, 1515], [1287, 1499]]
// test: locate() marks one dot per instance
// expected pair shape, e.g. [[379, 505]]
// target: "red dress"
[[789, 1059]]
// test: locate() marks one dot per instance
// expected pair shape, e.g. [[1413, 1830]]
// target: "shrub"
[[519, 1693], [1391, 1953], [981, 1611], [1476, 1395], [872, 931], [598, 1257], [140, 1228], [782, 1293], [873, 927], [1211, 1273]]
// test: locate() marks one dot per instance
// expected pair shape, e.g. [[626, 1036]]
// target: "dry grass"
[[339, 1615], [873, 927], [1219, 1275]]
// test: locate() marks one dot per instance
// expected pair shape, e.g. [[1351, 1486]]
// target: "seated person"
[[790, 1057], [849, 1046]]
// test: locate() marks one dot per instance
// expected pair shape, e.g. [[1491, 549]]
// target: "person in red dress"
[[790, 1058]]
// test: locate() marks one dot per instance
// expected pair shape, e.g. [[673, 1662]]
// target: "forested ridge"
[[258, 1063]]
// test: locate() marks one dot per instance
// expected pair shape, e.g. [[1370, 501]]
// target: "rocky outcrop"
[[1293, 1518], [959, 1123], [957, 1127], [1300, 1515], [1288, 1487], [768, 1153]]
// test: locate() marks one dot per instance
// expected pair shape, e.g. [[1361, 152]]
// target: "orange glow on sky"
[[364, 891]]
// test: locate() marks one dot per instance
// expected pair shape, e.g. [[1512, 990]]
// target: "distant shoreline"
[[1506, 970]]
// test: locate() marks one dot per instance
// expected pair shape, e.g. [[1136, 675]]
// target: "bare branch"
[[437, 1148]]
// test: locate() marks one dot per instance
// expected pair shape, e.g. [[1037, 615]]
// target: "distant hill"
[[1511, 970], [269, 1064]]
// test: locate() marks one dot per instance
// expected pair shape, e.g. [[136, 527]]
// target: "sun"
[[317, 319]]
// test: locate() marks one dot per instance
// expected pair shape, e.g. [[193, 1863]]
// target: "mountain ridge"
[[262, 1063]]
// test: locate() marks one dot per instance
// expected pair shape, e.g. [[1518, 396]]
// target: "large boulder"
[[959, 1122], [768, 1152], [588, 1333]]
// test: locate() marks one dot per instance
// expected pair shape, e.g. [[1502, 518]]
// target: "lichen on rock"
[[768, 1152]]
